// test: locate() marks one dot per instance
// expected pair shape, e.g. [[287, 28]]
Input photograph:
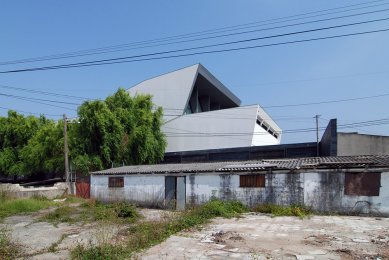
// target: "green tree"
[[44, 151], [121, 129], [15, 132]]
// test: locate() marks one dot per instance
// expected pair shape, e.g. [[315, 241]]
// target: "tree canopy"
[[118, 130]]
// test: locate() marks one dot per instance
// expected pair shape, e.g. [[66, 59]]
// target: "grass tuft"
[[10, 207], [300, 211], [8, 249]]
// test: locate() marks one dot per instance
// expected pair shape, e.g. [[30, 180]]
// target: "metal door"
[[170, 192], [180, 193]]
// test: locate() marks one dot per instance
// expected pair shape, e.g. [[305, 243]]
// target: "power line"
[[327, 102], [120, 60], [39, 99], [55, 57], [44, 92], [312, 79], [287, 105], [26, 112], [382, 121], [188, 35], [33, 100]]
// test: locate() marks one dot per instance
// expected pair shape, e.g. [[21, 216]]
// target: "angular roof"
[[172, 90], [336, 162]]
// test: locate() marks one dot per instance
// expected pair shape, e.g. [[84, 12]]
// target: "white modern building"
[[201, 113]]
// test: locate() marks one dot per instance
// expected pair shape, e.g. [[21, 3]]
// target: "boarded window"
[[362, 184], [257, 180], [115, 182]]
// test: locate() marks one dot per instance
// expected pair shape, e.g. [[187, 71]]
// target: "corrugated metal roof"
[[260, 165]]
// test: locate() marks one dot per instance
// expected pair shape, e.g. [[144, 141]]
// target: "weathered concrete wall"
[[17, 191], [282, 189], [148, 191], [362, 144], [325, 192]]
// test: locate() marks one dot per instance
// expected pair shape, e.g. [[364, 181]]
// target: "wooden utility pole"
[[317, 135], [65, 150]]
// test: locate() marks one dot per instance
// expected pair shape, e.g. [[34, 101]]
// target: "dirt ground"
[[252, 236], [42, 240], [257, 236]]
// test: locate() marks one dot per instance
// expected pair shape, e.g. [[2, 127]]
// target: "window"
[[115, 182], [251, 181], [362, 184]]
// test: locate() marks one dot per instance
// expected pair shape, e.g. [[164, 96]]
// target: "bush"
[[126, 211]]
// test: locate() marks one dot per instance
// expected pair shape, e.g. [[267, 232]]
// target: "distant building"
[[201, 113], [332, 143]]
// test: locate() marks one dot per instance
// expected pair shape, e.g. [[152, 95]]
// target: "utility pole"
[[65, 142], [317, 135]]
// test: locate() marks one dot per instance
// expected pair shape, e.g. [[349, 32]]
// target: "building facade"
[[351, 184], [201, 113]]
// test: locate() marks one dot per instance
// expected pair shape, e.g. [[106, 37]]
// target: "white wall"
[[282, 189], [212, 130], [325, 192], [170, 91], [139, 189]]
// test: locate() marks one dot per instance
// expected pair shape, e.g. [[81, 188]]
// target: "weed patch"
[[60, 215], [146, 234], [10, 207], [8, 249], [277, 210]]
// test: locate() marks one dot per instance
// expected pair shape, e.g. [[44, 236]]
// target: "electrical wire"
[[382, 121], [31, 113], [38, 99], [99, 63], [44, 93], [207, 32]]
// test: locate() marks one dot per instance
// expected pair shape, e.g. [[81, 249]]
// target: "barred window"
[[115, 182], [247, 181]]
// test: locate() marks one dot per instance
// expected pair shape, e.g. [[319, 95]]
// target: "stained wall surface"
[[321, 190]]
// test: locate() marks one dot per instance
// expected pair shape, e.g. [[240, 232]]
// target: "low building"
[[329, 184], [201, 113]]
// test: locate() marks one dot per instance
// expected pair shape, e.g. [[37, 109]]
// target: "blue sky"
[[317, 71]]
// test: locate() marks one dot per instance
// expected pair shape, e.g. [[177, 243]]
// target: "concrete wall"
[[17, 191], [322, 191], [282, 189], [361, 144], [325, 192], [148, 191]]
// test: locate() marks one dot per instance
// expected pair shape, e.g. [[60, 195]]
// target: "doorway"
[[175, 192]]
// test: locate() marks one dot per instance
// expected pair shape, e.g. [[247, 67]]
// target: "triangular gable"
[[173, 91]]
